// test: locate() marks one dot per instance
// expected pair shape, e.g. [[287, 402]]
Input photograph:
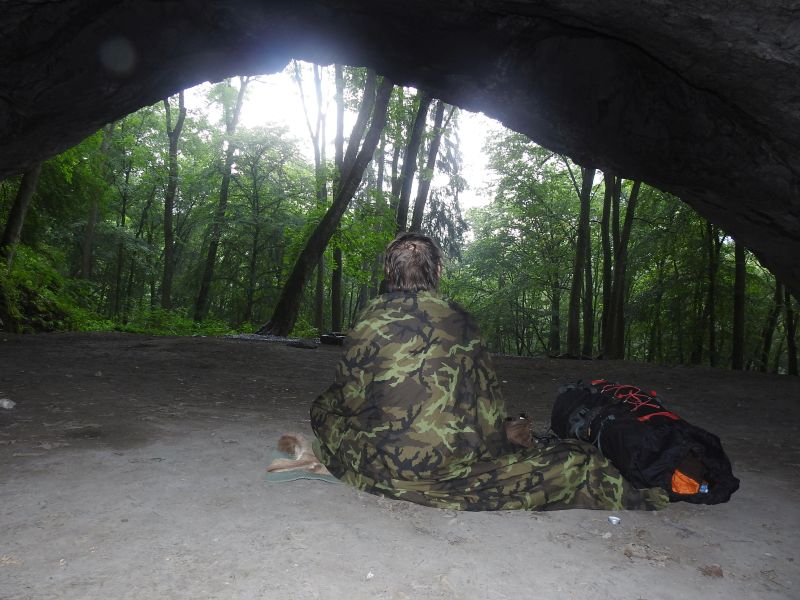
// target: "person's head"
[[413, 263]]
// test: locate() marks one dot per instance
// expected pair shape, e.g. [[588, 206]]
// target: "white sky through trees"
[[276, 99]]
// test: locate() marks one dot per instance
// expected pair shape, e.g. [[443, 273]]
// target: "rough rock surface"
[[701, 99]]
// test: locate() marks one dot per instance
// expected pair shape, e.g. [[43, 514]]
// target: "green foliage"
[[173, 322], [516, 274], [39, 297], [304, 329]]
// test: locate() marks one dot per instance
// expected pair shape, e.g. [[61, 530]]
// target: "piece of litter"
[[614, 520], [370, 575], [713, 570], [7, 404], [9, 560]]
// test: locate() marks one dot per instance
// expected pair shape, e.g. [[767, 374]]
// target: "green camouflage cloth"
[[416, 412]]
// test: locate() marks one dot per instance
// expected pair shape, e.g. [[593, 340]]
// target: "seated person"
[[415, 411]]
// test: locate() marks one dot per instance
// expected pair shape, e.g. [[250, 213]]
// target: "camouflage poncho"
[[416, 412]]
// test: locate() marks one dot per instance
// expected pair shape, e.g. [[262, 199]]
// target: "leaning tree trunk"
[[173, 134], [285, 314], [737, 358], [620, 266], [772, 322], [215, 230], [16, 217], [581, 245], [430, 167], [410, 159]]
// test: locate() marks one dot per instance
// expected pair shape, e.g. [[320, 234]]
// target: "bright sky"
[[276, 99]]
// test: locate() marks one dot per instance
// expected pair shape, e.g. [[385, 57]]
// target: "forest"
[[186, 221]]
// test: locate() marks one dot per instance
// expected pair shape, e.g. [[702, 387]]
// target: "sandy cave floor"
[[133, 467]]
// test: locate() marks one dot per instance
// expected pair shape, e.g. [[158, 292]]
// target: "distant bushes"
[[36, 297]]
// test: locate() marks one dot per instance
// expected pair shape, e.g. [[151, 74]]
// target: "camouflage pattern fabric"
[[416, 413]]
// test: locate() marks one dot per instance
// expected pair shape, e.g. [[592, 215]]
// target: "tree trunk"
[[605, 236], [375, 267], [554, 339], [322, 198], [126, 309], [587, 349], [581, 245], [772, 322], [285, 314], [410, 159], [344, 163], [336, 276], [619, 286], [173, 134], [251, 274], [714, 248], [123, 215], [654, 341], [91, 222], [430, 167], [88, 240], [16, 217], [215, 229], [699, 317], [737, 358], [791, 332]]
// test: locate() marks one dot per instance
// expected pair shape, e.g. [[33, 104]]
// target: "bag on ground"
[[650, 445]]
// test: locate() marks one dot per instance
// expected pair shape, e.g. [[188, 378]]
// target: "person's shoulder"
[[383, 308], [405, 304]]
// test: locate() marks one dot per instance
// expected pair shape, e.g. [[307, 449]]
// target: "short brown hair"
[[412, 263]]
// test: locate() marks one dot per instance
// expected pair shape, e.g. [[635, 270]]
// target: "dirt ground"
[[133, 467]]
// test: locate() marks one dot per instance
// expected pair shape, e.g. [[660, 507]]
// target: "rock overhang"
[[702, 101]]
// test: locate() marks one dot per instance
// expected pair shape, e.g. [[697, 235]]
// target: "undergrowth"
[[35, 296]]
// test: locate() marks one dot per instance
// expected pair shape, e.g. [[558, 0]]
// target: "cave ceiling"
[[700, 99]]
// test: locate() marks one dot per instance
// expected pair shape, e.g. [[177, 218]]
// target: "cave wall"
[[701, 100]]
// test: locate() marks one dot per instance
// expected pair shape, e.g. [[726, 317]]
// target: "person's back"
[[420, 391]]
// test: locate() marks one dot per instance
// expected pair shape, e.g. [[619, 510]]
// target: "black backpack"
[[650, 445]]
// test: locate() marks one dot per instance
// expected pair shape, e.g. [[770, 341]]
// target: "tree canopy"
[[189, 219]]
